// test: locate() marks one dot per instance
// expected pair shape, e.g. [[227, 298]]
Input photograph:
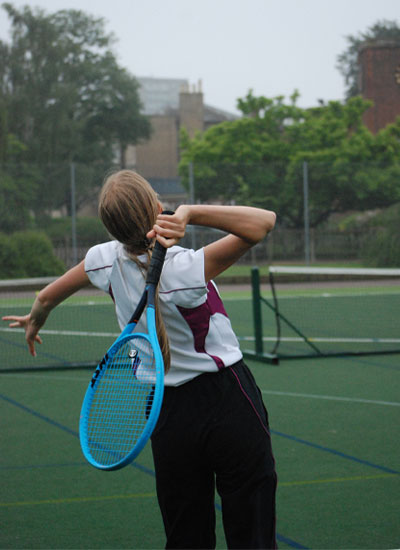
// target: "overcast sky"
[[270, 46]]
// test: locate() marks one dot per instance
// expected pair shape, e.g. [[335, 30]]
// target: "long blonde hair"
[[128, 208]]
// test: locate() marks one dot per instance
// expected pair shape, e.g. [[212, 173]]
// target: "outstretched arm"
[[246, 227], [47, 299]]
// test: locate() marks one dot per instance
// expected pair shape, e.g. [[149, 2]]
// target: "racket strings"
[[122, 402]]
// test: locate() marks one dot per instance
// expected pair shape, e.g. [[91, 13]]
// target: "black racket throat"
[[148, 298], [139, 309]]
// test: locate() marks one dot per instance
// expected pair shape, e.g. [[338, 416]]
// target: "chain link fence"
[[61, 202], [281, 245]]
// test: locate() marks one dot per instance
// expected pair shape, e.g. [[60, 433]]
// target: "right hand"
[[169, 230]]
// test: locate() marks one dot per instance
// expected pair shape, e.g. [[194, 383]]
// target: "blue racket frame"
[[124, 338], [156, 388]]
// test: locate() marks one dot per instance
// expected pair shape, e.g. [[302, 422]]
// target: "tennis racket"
[[124, 397]]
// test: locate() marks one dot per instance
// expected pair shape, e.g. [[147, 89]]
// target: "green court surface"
[[335, 430], [335, 426]]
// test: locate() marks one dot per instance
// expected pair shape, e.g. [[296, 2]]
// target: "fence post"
[[73, 215], [191, 200], [306, 214], [257, 319]]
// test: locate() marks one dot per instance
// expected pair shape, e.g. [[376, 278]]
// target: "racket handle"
[[156, 264], [157, 260]]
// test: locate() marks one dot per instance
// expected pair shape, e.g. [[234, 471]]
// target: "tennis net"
[[76, 334], [314, 312]]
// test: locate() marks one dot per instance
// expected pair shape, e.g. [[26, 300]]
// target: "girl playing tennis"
[[213, 426]]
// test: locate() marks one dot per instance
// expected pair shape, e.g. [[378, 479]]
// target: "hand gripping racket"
[[124, 397]]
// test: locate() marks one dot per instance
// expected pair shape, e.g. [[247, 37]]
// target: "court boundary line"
[[340, 340], [335, 480], [73, 500], [295, 483], [82, 380], [332, 398], [335, 452], [56, 332]]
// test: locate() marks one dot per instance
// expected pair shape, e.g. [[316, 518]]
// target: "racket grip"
[[157, 260], [156, 264]]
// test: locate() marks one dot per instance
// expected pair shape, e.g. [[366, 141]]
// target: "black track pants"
[[213, 431]]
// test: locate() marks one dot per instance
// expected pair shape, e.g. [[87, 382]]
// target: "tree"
[[242, 159], [51, 80], [18, 188], [347, 62], [381, 249], [59, 83], [258, 159], [118, 117]]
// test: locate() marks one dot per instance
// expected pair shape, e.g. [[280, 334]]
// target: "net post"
[[257, 318]]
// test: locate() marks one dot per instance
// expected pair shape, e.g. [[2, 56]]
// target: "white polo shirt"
[[199, 331]]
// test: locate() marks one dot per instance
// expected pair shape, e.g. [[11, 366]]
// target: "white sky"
[[270, 46]]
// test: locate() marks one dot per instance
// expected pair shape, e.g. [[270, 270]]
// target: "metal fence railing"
[[282, 244]]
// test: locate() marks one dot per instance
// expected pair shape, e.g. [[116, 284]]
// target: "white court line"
[[66, 332], [326, 340], [265, 392], [331, 398], [67, 304], [243, 338], [327, 294], [49, 376]]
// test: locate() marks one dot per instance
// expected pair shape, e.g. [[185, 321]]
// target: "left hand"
[[31, 330]]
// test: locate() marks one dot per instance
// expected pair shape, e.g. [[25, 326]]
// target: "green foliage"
[[63, 98], [231, 158], [28, 254], [37, 254], [16, 194], [118, 117], [259, 159], [11, 265], [347, 61], [89, 231], [382, 249]]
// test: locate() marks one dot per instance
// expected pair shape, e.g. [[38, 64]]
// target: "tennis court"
[[335, 426]]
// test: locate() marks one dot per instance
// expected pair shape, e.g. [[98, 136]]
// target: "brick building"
[[380, 82], [171, 105]]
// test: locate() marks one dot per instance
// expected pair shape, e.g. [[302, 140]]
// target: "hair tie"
[[148, 243]]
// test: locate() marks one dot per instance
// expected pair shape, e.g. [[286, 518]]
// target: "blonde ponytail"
[[128, 208], [162, 336]]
